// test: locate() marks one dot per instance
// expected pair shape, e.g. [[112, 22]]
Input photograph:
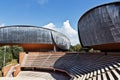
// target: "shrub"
[[5, 51], [16, 50]]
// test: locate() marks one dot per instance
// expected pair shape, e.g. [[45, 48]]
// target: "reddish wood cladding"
[[33, 47], [110, 46]]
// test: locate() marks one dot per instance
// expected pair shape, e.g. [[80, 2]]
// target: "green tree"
[[5, 51], [75, 48], [9, 52], [16, 50], [71, 48], [1, 60]]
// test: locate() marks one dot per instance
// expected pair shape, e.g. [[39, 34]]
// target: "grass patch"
[[13, 62], [0, 73]]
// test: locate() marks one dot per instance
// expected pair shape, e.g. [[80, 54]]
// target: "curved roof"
[[100, 25], [33, 35], [110, 3]]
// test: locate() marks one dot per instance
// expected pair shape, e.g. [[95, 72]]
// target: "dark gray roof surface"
[[33, 34]]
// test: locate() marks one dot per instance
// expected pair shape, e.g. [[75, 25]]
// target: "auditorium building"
[[33, 38], [99, 27]]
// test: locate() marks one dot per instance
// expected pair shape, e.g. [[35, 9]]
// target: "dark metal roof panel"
[[100, 25], [31, 34]]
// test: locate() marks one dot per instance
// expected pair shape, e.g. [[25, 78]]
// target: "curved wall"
[[31, 35], [101, 26], [62, 42]]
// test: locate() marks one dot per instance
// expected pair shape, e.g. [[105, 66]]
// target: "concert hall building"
[[33, 38], [99, 27]]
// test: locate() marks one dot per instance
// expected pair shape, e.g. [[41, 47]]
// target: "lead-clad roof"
[[32, 34], [100, 25]]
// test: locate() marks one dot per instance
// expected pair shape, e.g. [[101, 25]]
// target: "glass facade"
[[31, 34]]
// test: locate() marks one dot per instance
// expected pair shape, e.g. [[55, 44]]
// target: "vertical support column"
[[55, 48]]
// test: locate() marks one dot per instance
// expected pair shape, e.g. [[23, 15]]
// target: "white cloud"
[[67, 30], [1, 25], [41, 2], [50, 26]]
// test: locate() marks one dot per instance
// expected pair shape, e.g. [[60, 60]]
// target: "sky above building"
[[60, 15]]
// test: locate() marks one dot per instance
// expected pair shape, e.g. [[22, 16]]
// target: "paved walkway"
[[35, 75]]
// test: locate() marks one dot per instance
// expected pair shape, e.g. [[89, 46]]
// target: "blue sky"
[[56, 14]]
